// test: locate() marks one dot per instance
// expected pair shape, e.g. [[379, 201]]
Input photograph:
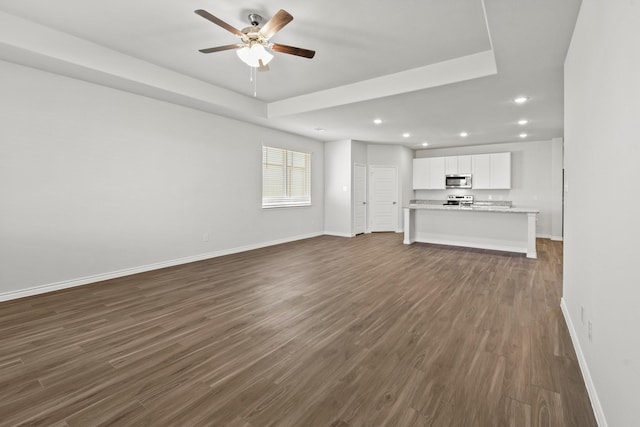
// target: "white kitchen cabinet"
[[436, 179], [451, 165], [481, 171], [457, 165], [420, 173], [428, 173], [464, 164], [501, 170], [491, 171]]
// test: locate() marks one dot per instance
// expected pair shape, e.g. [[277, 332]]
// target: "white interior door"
[[359, 198], [384, 198]]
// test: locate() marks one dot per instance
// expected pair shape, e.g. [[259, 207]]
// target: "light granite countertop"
[[441, 207]]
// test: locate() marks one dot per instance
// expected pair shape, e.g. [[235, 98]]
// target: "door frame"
[[366, 199], [371, 198]]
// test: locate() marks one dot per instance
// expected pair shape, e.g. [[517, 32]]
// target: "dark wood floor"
[[323, 332]]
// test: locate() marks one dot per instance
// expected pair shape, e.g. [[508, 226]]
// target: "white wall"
[[406, 156], [337, 188], [95, 181], [557, 201], [602, 153], [359, 152], [532, 179]]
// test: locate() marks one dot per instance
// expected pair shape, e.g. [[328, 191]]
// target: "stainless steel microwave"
[[458, 181]]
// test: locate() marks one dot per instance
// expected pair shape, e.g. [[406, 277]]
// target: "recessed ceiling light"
[[406, 135], [425, 144], [464, 134], [523, 122], [377, 121], [319, 129], [523, 135], [521, 100]]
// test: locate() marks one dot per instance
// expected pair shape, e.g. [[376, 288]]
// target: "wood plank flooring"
[[322, 332]]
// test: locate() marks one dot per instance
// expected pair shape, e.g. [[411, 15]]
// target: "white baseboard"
[[337, 234], [475, 245], [549, 236], [582, 361], [11, 295]]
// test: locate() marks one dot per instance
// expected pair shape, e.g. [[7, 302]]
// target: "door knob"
[[394, 203]]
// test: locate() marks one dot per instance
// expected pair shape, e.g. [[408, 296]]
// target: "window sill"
[[290, 205]]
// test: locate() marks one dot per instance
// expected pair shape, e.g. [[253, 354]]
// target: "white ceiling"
[[433, 68]]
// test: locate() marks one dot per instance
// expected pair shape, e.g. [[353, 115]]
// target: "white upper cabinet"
[[501, 170], [428, 173], [451, 165], [457, 165], [437, 180], [491, 171], [481, 171], [420, 173], [464, 164]]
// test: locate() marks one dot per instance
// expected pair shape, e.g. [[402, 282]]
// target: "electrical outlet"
[[582, 314], [590, 332]]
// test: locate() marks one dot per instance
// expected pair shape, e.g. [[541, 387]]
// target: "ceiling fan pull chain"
[[255, 82]]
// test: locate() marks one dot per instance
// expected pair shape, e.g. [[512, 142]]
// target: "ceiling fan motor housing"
[[255, 19], [252, 34]]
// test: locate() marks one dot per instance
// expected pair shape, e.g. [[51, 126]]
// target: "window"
[[286, 178]]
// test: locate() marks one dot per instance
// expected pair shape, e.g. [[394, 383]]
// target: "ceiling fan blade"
[[291, 50], [276, 23], [206, 15], [221, 48]]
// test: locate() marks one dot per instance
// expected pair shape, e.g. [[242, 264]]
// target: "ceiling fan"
[[255, 39]]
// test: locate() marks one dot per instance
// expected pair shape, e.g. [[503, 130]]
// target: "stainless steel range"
[[453, 200]]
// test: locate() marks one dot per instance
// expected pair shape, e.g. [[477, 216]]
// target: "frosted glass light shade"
[[253, 55]]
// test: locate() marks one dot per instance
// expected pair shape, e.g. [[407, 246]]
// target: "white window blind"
[[286, 177]]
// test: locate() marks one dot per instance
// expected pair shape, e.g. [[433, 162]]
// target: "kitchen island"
[[487, 227]]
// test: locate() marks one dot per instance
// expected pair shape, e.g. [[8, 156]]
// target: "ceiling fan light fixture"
[[255, 55]]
